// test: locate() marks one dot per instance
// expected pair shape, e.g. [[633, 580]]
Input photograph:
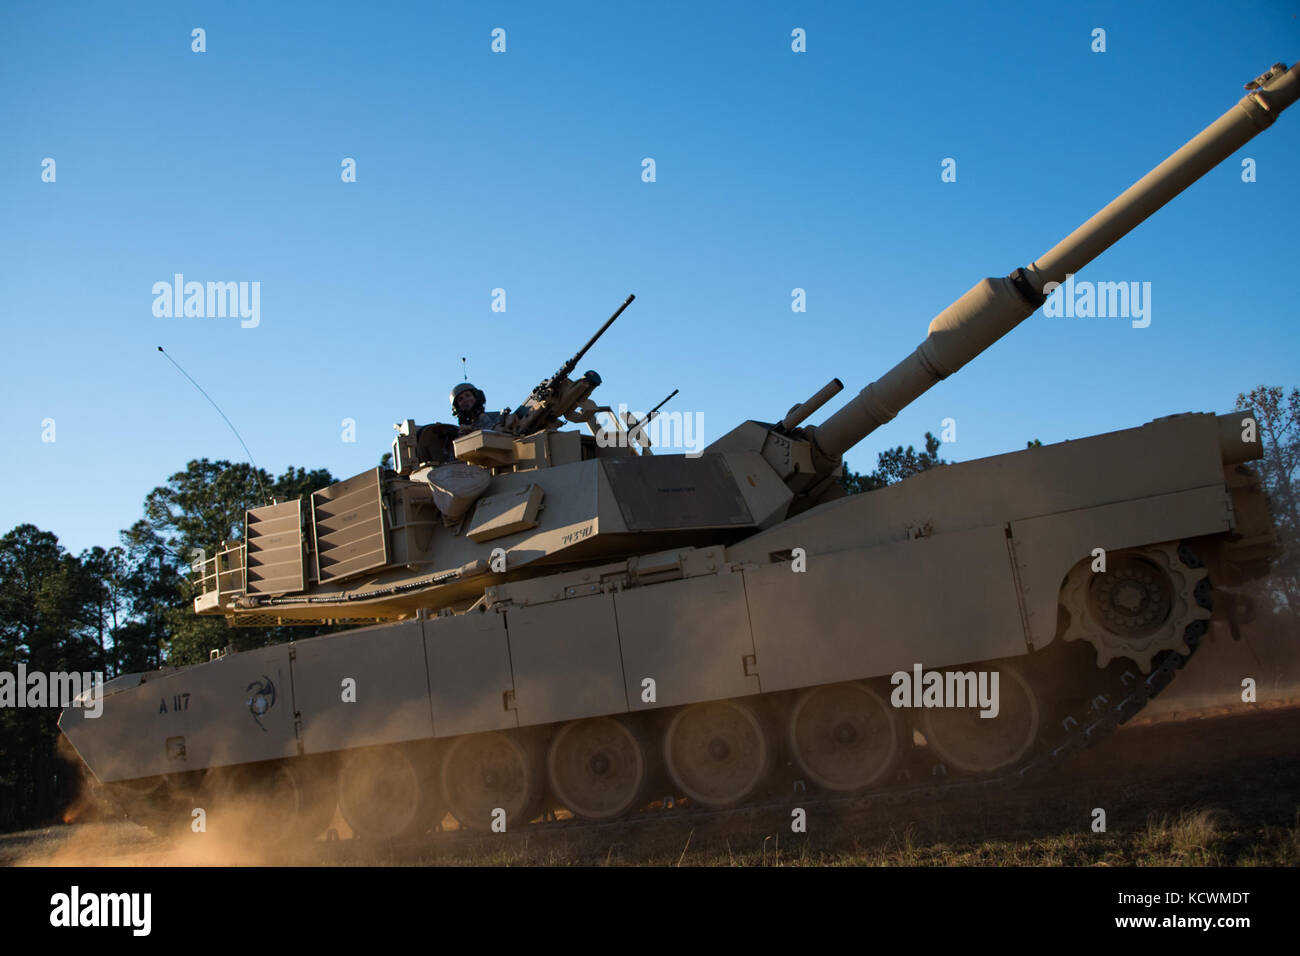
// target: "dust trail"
[[239, 836], [1214, 681]]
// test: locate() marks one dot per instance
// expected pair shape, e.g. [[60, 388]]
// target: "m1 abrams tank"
[[561, 620]]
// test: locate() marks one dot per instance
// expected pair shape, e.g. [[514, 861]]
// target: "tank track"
[[1114, 696], [1085, 730]]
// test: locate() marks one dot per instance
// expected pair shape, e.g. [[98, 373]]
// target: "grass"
[[1203, 836]]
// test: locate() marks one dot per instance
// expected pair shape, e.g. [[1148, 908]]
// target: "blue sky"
[[522, 171]]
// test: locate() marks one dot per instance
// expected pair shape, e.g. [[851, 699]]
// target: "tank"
[[550, 621]]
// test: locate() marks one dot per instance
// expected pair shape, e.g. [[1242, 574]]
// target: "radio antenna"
[[256, 471]]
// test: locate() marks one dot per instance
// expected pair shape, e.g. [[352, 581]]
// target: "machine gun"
[[556, 396]]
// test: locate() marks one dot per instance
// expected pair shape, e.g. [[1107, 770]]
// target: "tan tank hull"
[[958, 564]]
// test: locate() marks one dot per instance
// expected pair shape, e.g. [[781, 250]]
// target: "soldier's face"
[[465, 401]]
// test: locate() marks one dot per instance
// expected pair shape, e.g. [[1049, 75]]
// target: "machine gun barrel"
[[637, 428], [995, 306], [572, 363], [556, 396], [663, 403]]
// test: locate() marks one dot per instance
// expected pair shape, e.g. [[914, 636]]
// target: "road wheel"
[[844, 737], [597, 768], [966, 741], [387, 793], [718, 754], [488, 772], [268, 805]]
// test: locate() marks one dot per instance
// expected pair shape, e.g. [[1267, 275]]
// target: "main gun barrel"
[[995, 306]]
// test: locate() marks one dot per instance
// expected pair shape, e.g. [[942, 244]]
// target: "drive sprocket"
[[1140, 605]]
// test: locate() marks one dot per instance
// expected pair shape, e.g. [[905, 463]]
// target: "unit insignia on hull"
[[263, 699]]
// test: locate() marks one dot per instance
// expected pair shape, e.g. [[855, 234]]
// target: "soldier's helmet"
[[480, 400]]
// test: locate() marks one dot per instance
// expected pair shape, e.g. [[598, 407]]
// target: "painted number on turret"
[[179, 702], [578, 535]]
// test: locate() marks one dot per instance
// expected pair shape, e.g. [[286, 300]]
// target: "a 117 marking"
[[179, 702]]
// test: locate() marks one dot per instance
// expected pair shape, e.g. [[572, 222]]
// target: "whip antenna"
[[256, 471]]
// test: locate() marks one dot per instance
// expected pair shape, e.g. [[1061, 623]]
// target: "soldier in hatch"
[[467, 403]]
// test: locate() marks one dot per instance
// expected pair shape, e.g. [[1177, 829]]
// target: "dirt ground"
[[1204, 787]]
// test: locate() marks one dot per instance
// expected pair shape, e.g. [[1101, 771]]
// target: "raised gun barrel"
[[572, 363], [995, 306], [555, 397]]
